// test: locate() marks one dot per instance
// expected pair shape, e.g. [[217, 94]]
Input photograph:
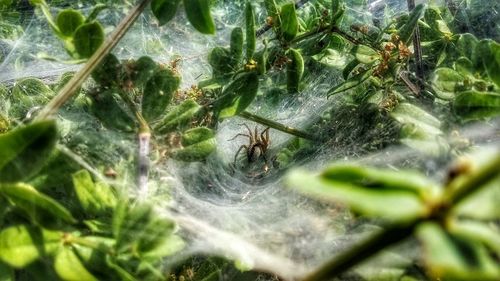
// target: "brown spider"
[[257, 145]]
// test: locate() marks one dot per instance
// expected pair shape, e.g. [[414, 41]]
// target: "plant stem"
[[361, 252], [70, 88], [417, 49], [276, 125]]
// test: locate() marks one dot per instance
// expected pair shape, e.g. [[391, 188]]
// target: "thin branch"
[[276, 125], [70, 88]]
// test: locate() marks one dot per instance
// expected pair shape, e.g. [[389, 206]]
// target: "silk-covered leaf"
[[238, 95], [178, 117], [158, 93], [68, 21], [197, 144]]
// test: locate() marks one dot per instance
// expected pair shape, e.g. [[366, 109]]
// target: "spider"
[[257, 145]]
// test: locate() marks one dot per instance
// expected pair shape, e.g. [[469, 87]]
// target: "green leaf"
[[466, 44], [169, 245], [68, 21], [406, 31], [197, 144], [294, 70], [484, 233], [238, 95], [272, 11], [350, 83], [21, 245], [375, 178], [365, 54], [446, 82], [289, 23], [492, 63], [94, 198], [6, 272], [250, 29], [69, 267], [129, 223], [449, 257], [112, 114], [24, 150], [221, 61], [482, 205], [236, 46], [338, 9], [393, 205], [36, 204], [158, 93], [178, 117], [473, 105], [88, 38], [154, 234], [198, 14], [108, 72], [142, 70], [28, 93], [164, 10]]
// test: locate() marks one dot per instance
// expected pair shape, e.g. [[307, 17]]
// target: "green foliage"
[[198, 13], [158, 93], [289, 24], [23, 151], [164, 10]]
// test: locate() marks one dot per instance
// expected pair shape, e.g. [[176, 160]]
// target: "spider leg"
[[265, 139], [238, 152], [243, 135], [252, 140]]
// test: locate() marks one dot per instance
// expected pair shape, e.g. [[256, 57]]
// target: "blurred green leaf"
[[69, 267], [178, 117], [6, 273], [197, 144], [482, 205], [492, 63], [383, 179], [198, 14], [68, 21], [487, 234], [449, 257], [24, 150], [289, 24], [21, 245], [158, 93], [88, 38], [338, 9], [392, 205], [95, 198], [473, 105], [164, 10], [36, 204]]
